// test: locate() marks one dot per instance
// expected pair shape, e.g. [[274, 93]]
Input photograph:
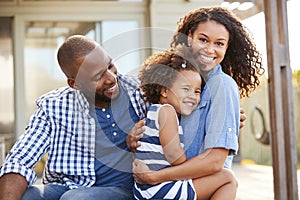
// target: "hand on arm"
[[141, 172], [12, 186]]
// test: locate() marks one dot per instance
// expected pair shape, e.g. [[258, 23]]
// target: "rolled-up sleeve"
[[222, 123], [29, 148]]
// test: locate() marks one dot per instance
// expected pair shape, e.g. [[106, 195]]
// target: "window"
[[6, 85], [43, 38]]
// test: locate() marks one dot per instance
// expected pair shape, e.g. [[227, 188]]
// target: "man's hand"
[[243, 118], [135, 134], [142, 173]]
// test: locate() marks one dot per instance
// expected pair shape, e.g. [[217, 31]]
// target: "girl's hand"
[[141, 173]]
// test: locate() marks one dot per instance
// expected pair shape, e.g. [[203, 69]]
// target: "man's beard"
[[101, 98]]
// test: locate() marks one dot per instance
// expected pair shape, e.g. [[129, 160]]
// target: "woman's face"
[[209, 43]]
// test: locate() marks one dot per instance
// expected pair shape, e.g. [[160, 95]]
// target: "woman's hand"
[[243, 118], [135, 134], [141, 173]]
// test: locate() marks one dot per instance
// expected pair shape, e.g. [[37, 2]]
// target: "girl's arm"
[[169, 135]]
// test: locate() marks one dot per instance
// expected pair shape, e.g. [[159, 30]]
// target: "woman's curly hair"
[[161, 69], [242, 60]]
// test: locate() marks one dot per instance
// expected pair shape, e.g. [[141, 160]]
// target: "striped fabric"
[[151, 153]]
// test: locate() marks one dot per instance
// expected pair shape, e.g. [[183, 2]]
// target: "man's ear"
[[72, 84]]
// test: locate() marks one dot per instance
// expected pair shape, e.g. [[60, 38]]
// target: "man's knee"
[[44, 192], [94, 193], [71, 194], [32, 193]]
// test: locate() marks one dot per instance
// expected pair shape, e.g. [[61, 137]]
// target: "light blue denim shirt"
[[215, 122]]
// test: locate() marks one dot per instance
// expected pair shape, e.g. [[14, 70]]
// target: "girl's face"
[[184, 95], [209, 43]]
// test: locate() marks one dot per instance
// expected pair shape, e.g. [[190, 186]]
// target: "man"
[[71, 124]]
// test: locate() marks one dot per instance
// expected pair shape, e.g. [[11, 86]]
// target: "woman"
[[221, 45]]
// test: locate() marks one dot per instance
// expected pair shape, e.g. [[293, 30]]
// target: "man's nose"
[[110, 76]]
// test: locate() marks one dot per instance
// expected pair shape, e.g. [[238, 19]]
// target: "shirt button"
[[229, 129], [113, 124], [90, 166], [108, 116], [114, 133], [103, 109]]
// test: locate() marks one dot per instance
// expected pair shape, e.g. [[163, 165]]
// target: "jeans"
[[46, 192], [56, 192]]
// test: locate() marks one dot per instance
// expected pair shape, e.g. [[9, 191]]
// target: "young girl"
[[172, 85], [231, 66]]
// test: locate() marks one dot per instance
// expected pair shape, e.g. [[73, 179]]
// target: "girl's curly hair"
[[242, 60], [161, 69]]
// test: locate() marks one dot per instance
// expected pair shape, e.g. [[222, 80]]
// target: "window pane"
[[122, 41], [42, 39], [6, 86], [82, 0], [42, 72]]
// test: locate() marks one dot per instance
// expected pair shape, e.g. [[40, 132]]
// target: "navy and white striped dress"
[[151, 153]]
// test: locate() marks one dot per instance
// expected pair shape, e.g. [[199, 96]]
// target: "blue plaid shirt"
[[64, 127]]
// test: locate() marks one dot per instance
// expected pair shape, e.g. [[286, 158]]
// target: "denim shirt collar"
[[212, 72]]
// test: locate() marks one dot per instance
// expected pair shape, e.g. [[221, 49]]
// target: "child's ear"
[[163, 92]]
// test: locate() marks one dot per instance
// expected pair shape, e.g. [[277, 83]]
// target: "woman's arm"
[[207, 163], [136, 133]]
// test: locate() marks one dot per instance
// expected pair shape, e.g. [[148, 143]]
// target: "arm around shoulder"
[[12, 186]]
